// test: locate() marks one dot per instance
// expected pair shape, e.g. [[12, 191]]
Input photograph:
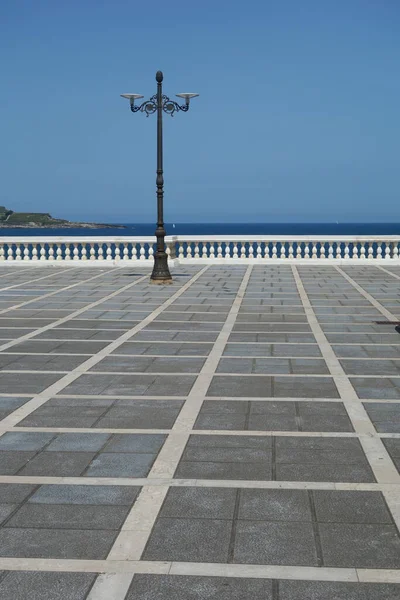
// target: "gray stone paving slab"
[[9, 404], [24, 441], [170, 349], [131, 385], [27, 383], [274, 505], [120, 465], [172, 539], [58, 464], [198, 503], [147, 364], [350, 507], [272, 366], [331, 590], [78, 442], [28, 585], [68, 517], [56, 543], [168, 587], [80, 494]]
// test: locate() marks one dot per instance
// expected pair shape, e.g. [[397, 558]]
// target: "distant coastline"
[[10, 219]]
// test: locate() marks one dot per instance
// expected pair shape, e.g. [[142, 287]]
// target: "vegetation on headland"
[[9, 218]]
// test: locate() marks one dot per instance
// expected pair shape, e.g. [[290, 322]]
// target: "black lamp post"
[[160, 103]]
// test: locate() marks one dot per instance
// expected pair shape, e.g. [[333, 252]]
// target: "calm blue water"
[[222, 229]]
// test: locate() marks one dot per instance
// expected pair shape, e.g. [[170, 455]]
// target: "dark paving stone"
[[229, 441], [323, 472], [225, 421], [29, 585], [274, 505], [329, 590], [136, 442], [11, 462], [305, 387], [360, 545], [199, 503], [385, 417], [350, 507], [9, 404], [6, 510], [131, 385], [15, 492], [175, 587], [271, 543], [223, 470], [69, 517], [173, 539], [58, 464], [27, 383], [24, 441], [78, 442], [370, 388], [100, 495], [148, 364], [245, 386], [55, 543], [120, 465], [230, 455], [171, 349]]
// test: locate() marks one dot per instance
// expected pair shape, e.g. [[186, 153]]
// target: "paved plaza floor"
[[233, 436]]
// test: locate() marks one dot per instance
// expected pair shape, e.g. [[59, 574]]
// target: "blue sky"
[[298, 117]]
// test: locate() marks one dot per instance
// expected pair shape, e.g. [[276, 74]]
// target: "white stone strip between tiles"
[[384, 311], [374, 449], [20, 413], [72, 315], [196, 569], [388, 272], [392, 498], [136, 530], [63, 289]]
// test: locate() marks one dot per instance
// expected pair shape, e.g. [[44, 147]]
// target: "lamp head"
[[187, 96]]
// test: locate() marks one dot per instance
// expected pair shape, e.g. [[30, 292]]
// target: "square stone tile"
[[173, 539], [385, 417], [58, 464], [366, 545], [47, 516], [15, 492], [350, 507], [223, 470], [42, 585], [56, 543], [24, 441], [12, 462], [136, 442], [199, 503], [245, 386], [78, 442], [274, 543], [332, 590], [120, 465], [274, 505], [175, 587], [98, 495]]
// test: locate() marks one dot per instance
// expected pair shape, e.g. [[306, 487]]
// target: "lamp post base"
[[161, 274]]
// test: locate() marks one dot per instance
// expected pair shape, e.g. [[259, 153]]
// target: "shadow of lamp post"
[[160, 103]]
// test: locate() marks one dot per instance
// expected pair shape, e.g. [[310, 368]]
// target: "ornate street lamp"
[[160, 103]]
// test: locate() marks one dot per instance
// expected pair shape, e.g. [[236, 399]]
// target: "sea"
[[203, 229]]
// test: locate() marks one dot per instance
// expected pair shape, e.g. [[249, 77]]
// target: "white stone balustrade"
[[91, 251]]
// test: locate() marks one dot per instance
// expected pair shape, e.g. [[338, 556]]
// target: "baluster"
[[43, 252], [196, 250], [274, 251], [259, 250], [2, 252], [219, 249], [242, 249], [108, 251], [283, 250], [75, 251], [18, 252], [330, 250], [298, 251], [83, 252], [338, 250], [142, 252], [346, 251], [379, 251], [227, 250], [204, 251], [180, 251], [395, 250], [314, 250], [26, 253], [322, 250], [387, 250], [189, 250], [306, 250], [212, 250], [235, 250], [34, 252], [251, 250], [125, 251], [291, 250], [117, 253], [67, 252], [92, 252], [362, 250], [134, 251], [51, 252], [370, 250], [10, 253], [355, 251]]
